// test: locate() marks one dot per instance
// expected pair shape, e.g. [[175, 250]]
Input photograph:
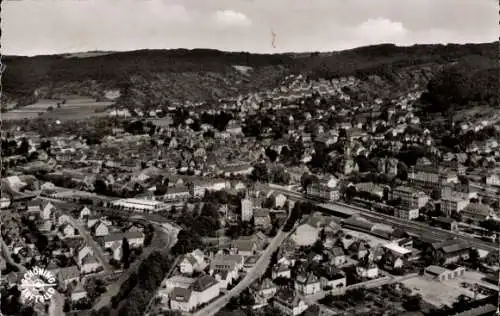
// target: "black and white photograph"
[[250, 158]]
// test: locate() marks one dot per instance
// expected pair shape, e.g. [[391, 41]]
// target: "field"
[[74, 108]]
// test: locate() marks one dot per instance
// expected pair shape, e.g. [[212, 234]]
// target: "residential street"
[[167, 240], [256, 272], [98, 252]]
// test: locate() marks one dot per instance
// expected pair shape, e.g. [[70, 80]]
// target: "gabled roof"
[[180, 294], [203, 283]]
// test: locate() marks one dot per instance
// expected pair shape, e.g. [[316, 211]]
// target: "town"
[[249, 158], [253, 205]]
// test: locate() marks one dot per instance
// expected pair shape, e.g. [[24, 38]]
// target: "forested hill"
[[149, 77]]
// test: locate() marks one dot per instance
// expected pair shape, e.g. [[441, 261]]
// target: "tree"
[[100, 187], [413, 303], [474, 257], [24, 147], [260, 173], [271, 154], [125, 253]]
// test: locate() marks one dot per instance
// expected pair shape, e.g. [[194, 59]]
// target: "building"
[[445, 223], [453, 203], [281, 271], [198, 187], [176, 194], [431, 178], [410, 198], [140, 205], [442, 274], [477, 212], [493, 179], [451, 251], [323, 191], [202, 291], [246, 208], [307, 284], [289, 304], [337, 256], [191, 262], [135, 239], [407, 214], [262, 218]]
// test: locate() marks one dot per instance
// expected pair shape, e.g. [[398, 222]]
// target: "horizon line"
[[242, 51]]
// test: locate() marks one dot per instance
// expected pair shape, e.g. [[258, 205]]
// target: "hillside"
[[151, 77]]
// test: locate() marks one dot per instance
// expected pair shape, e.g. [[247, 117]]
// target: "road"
[[409, 226], [167, 240], [89, 239], [255, 273]]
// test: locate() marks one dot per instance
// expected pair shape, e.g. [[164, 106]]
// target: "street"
[[255, 273]]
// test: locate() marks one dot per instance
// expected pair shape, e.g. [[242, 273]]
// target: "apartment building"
[[410, 198]]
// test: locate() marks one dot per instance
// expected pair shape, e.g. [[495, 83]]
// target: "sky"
[[34, 27]]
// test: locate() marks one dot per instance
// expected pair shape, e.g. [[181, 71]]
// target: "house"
[[266, 289], [333, 280], [91, 220], [135, 239], [67, 275], [85, 212], [47, 210], [307, 284], [89, 264], [67, 230], [289, 304], [245, 247], [369, 271], [78, 293], [278, 199], [100, 229], [202, 291], [194, 261], [261, 218], [177, 281], [281, 270], [62, 219], [442, 274], [205, 288], [82, 252], [337, 256], [182, 300]]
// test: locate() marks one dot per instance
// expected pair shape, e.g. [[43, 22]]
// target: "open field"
[[439, 293], [74, 108]]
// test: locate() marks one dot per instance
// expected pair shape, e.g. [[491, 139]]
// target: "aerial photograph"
[[250, 158]]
